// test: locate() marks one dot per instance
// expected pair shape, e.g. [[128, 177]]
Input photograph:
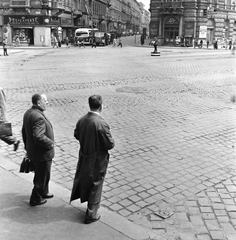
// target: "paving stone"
[[191, 203], [124, 212], [220, 212], [212, 225], [215, 200], [206, 209], [125, 202], [217, 235], [204, 202], [225, 195], [193, 210], [179, 209], [231, 236], [141, 204], [218, 206], [223, 219], [203, 237], [232, 214], [167, 194], [133, 208], [212, 194], [181, 216], [196, 220], [228, 228], [160, 188], [228, 201], [230, 208], [115, 207], [144, 195]]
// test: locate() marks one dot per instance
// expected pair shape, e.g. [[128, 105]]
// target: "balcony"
[[19, 3], [57, 5], [170, 8]]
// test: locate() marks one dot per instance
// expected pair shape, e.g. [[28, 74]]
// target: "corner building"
[[208, 20], [28, 20]]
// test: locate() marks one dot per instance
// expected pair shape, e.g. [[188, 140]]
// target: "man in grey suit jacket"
[[38, 137]]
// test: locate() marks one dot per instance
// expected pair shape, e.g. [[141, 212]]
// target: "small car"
[[99, 38]]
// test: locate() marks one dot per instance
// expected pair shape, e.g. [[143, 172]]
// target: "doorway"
[[170, 34]]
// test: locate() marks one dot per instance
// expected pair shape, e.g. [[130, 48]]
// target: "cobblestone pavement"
[[171, 118]]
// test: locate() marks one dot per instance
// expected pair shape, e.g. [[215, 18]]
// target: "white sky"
[[146, 3]]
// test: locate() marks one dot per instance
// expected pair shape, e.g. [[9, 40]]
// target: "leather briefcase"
[[5, 129]]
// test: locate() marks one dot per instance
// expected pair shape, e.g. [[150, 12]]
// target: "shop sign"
[[203, 32], [66, 21], [30, 20], [52, 20], [189, 28], [172, 21], [23, 20]]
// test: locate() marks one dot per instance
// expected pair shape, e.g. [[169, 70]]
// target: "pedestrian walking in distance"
[[38, 137], [93, 42], [55, 42], [4, 45], [95, 139], [67, 42], [114, 42], [10, 140], [119, 43]]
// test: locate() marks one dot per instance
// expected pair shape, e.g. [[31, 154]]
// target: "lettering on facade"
[[31, 20], [23, 20]]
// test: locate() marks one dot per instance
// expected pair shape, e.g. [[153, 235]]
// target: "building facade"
[[36, 21], [145, 20], [208, 20]]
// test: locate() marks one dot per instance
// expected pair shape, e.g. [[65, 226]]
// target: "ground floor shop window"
[[25, 35]]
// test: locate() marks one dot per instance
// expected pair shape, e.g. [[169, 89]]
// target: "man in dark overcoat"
[[95, 140], [38, 137]]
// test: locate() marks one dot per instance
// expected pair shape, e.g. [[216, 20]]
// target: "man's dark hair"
[[35, 98], [95, 102]]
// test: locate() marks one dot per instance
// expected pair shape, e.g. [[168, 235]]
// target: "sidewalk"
[[56, 219], [172, 47]]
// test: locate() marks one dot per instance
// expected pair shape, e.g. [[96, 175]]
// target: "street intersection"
[[171, 118]]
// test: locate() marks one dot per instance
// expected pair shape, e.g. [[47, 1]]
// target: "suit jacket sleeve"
[[105, 137], [39, 129]]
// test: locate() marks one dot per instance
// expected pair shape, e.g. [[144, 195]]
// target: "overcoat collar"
[[40, 110]]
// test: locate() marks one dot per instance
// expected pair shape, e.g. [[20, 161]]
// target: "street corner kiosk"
[[31, 29]]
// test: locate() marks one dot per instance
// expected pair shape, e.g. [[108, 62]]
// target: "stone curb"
[[109, 218]]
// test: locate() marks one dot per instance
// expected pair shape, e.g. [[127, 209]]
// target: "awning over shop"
[[65, 15]]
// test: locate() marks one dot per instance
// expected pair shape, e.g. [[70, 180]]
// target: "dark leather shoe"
[[35, 203], [49, 195], [91, 220]]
